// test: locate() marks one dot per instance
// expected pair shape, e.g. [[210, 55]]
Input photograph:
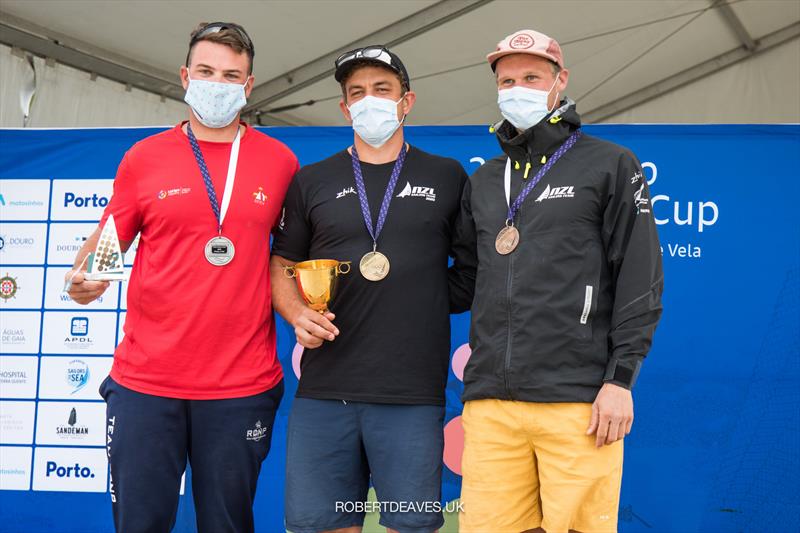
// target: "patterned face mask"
[[215, 104]]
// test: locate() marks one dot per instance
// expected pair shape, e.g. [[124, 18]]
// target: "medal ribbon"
[[387, 196], [212, 195], [514, 207]]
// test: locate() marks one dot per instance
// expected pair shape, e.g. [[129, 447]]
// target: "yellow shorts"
[[529, 465]]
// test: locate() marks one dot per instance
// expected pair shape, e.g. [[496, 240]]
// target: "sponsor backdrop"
[[715, 445]]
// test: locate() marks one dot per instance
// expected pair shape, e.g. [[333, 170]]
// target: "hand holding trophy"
[[316, 280]]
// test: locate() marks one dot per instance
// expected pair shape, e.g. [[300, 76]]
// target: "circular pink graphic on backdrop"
[[297, 353], [453, 444], [460, 358]]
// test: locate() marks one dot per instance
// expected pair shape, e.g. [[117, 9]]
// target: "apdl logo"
[[77, 375], [79, 326]]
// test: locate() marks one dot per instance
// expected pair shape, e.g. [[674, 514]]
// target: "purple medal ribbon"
[[201, 162], [563, 149], [387, 196]]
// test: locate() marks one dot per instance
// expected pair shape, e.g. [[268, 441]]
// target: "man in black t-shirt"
[[370, 403]]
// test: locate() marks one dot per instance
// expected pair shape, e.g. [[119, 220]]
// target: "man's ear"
[[248, 88], [184, 74], [345, 111]]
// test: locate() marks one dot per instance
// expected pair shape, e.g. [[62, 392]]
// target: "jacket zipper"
[[507, 366]]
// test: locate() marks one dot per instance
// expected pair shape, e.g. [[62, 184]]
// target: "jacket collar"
[[542, 139]]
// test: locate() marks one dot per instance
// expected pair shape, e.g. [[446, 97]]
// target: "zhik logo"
[[556, 192], [344, 192]]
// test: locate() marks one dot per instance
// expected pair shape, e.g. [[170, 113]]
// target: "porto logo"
[[72, 200], [72, 429], [420, 192], [556, 192], [8, 287], [257, 433], [79, 326], [72, 471], [77, 375]]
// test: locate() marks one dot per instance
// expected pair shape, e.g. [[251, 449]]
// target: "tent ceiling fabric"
[[607, 44]]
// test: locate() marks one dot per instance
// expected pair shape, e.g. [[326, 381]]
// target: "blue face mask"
[[215, 104], [375, 119], [524, 107]]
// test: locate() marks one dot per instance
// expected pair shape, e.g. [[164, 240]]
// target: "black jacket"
[[577, 303]]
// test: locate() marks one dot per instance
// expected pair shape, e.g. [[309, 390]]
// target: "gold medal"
[[374, 266], [507, 240]]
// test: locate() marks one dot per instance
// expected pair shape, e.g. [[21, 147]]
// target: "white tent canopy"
[[90, 63]]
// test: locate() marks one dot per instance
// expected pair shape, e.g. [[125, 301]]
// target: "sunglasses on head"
[[215, 27], [379, 53]]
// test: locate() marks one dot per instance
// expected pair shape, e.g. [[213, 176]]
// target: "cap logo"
[[523, 40]]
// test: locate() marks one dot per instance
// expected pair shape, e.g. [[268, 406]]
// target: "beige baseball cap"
[[528, 42]]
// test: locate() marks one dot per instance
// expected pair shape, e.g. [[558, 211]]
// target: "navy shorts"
[[334, 447]]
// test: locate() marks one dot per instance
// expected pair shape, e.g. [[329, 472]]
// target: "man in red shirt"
[[196, 374]]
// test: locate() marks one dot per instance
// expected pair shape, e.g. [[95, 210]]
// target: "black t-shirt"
[[394, 340]]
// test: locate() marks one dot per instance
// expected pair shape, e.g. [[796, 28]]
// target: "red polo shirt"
[[194, 330]]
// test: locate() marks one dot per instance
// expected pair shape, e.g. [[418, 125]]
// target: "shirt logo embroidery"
[[344, 192], [556, 192], [259, 197], [421, 192]]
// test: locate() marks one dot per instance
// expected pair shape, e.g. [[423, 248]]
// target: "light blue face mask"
[[215, 104], [524, 107], [375, 119]]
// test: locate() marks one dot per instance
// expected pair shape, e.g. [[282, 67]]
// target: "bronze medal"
[[507, 240]]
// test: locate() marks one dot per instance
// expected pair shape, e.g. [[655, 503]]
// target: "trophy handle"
[[289, 272], [340, 268]]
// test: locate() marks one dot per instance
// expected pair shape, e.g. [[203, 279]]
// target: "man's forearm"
[[285, 298]]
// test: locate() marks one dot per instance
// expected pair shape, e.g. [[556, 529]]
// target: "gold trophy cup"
[[316, 280]]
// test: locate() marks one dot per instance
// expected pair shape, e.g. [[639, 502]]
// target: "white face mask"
[[375, 119], [524, 107], [215, 104]]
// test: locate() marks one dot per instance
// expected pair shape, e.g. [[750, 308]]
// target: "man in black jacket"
[[567, 298]]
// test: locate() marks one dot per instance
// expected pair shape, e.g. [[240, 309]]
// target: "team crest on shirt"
[[257, 433], [259, 197], [410, 191]]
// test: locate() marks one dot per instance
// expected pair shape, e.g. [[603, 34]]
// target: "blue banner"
[[716, 440]]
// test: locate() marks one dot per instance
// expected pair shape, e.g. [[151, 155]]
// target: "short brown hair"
[[232, 35], [358, 64]]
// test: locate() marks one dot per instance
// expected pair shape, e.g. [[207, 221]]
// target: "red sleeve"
[[124, 204]]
